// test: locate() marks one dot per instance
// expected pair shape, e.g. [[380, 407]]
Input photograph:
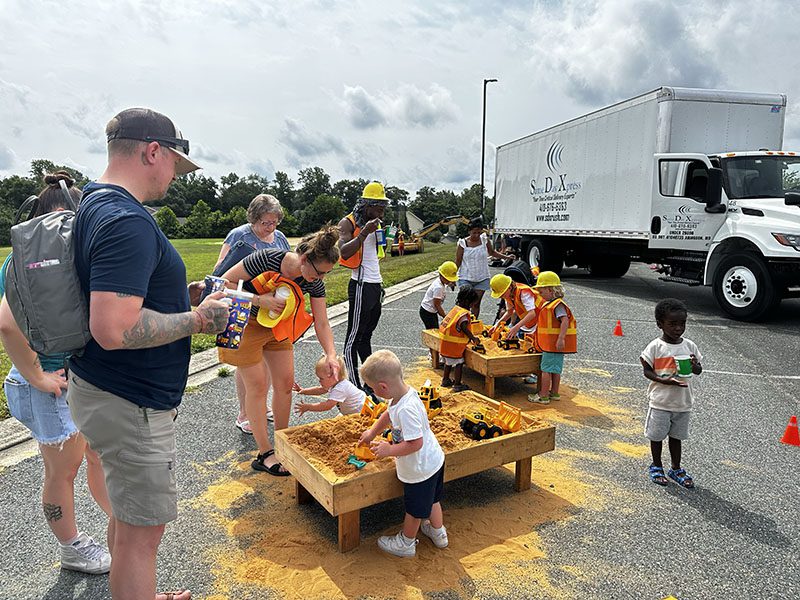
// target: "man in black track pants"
[[359, 247]]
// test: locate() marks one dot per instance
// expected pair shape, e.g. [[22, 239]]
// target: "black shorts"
[[418, 498], [429, 319]]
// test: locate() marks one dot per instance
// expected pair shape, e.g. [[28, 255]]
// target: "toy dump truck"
[[478, 426], [509, 344], [429, 394], [476, 326]]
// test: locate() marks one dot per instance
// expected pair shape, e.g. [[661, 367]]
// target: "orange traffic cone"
[[618, 329], [791, 435]]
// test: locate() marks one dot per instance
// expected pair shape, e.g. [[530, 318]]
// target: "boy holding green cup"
[[669, 362]]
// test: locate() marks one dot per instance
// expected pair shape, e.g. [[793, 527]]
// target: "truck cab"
[[733, 220]]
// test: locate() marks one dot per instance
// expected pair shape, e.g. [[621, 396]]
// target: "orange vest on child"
[[519, 307], [454, 342], [355, 260], [548, 329], [295, 324]]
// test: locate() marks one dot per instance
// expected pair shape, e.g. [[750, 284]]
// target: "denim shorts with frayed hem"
[[46, 415]]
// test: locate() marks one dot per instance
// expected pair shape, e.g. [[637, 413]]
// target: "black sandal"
[[258, 465]]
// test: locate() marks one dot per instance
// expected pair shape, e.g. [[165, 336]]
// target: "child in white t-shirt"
[[419, 458], [669, 394], [432, 303], [341, 391]]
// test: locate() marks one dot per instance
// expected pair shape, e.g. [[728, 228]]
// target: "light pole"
[[483, 146]]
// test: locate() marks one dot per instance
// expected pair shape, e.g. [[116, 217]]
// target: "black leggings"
[[429, 319], [362, 319]]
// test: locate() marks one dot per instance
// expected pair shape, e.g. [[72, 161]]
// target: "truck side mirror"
[[792, 199], [714, 191]]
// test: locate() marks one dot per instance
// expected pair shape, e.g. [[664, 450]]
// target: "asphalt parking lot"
[[592, 526]]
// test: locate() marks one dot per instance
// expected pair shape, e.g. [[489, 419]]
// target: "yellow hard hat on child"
[[499, 284], [547, 279], [449, 270]]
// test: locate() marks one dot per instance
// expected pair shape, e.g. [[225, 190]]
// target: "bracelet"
[[202, 319]]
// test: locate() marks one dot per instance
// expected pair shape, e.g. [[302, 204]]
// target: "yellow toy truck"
[[429, 394], [478, 426]]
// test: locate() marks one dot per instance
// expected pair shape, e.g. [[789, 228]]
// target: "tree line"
[[197, 206]]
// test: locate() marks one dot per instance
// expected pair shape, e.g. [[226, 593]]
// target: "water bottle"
[[380, 236], [284, 292]]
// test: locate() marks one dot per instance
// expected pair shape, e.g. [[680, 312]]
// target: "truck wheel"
[[743, 287], [545, 254], [480, 432], [609, 266]]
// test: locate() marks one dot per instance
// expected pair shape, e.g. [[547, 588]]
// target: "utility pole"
[[483, 147]]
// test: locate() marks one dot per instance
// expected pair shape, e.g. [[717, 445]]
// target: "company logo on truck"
[[554, 157]]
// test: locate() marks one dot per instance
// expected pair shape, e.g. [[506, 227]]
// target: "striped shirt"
[[270, 259]]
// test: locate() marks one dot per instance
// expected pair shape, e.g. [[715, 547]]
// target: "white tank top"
[[475, 261], [370, 271]]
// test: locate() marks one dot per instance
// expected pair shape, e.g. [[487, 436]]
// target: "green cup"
[[684, 364]]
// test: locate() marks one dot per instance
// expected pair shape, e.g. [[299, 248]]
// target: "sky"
[[365, 89]]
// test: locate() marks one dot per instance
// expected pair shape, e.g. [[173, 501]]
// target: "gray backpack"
[[42, 285]]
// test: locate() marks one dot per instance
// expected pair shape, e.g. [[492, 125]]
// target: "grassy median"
[[200, 255]]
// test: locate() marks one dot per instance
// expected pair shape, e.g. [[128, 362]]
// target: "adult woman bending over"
[[268, 351], [264, 214]]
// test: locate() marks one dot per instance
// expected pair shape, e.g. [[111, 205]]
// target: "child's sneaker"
[[538, 399], [396, 544], [439, 538], [555, 397], [85, 555]]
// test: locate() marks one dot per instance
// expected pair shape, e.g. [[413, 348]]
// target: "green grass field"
[[200, 255]]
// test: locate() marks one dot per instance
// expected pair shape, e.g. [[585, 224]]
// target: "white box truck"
[[693, 180]]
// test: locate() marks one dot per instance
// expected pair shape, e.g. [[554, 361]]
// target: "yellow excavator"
[[415, 243]]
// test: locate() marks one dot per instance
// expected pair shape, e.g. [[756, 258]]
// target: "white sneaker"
[[395, 544], [85, 555], [537, 399], [439, 539]]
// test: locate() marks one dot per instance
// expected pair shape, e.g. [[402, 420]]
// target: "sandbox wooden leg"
[[302, 494], [434, 359], [522, 474], [349, 531], [490, 386]]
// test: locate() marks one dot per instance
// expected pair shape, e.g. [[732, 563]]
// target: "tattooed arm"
[[119, 322]]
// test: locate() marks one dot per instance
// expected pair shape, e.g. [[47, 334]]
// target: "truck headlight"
[[788, 239]]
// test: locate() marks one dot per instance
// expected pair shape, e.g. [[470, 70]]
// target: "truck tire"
[[609, 266], [743, 287], [545, 254]]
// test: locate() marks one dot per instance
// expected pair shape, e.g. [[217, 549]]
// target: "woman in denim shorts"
[[38, 400]]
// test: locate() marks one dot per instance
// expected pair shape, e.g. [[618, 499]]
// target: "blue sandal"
[[681, 477], [657, 475]]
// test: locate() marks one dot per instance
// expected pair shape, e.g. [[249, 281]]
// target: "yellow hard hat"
[[288, 310], [547, 279], [449, 270], [499, 284], [374, 191]]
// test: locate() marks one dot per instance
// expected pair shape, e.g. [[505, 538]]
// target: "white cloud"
[[7, 157], [408, 106]]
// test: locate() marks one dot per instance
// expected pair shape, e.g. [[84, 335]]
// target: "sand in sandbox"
[[327, 444]]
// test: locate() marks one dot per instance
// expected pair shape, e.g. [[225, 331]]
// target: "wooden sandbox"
[[495, 363], [316, 455]]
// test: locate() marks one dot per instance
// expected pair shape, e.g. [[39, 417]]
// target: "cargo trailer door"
[[680, 196]]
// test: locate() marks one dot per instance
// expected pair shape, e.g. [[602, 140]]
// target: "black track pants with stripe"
[[362, 319]]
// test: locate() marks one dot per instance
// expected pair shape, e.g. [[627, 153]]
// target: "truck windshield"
[[761, 176]]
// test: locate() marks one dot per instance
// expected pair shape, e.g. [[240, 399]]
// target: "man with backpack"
[[126, 385]]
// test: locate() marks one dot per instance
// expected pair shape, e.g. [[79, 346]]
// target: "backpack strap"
[[67, 196], [30, 201]]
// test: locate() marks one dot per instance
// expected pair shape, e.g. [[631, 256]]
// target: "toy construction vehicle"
[[429, 394], [480, 427], [479, 348], [373, 409], [499, 333], [363, 452], [509, 344], [476, 326]]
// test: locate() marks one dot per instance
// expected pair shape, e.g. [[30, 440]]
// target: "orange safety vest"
[[355, 260], [454, 342], [519, 307], [548, 329], [296, 324]]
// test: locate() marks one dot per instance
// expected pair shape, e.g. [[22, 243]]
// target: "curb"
[[203, 365]]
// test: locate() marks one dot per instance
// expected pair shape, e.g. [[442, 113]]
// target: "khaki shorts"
[[137, 449], [256, 340]]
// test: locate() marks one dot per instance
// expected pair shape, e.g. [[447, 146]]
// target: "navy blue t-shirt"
[[119, 248]]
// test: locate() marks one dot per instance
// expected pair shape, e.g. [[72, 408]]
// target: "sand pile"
[[493, 350], [327, 444]]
